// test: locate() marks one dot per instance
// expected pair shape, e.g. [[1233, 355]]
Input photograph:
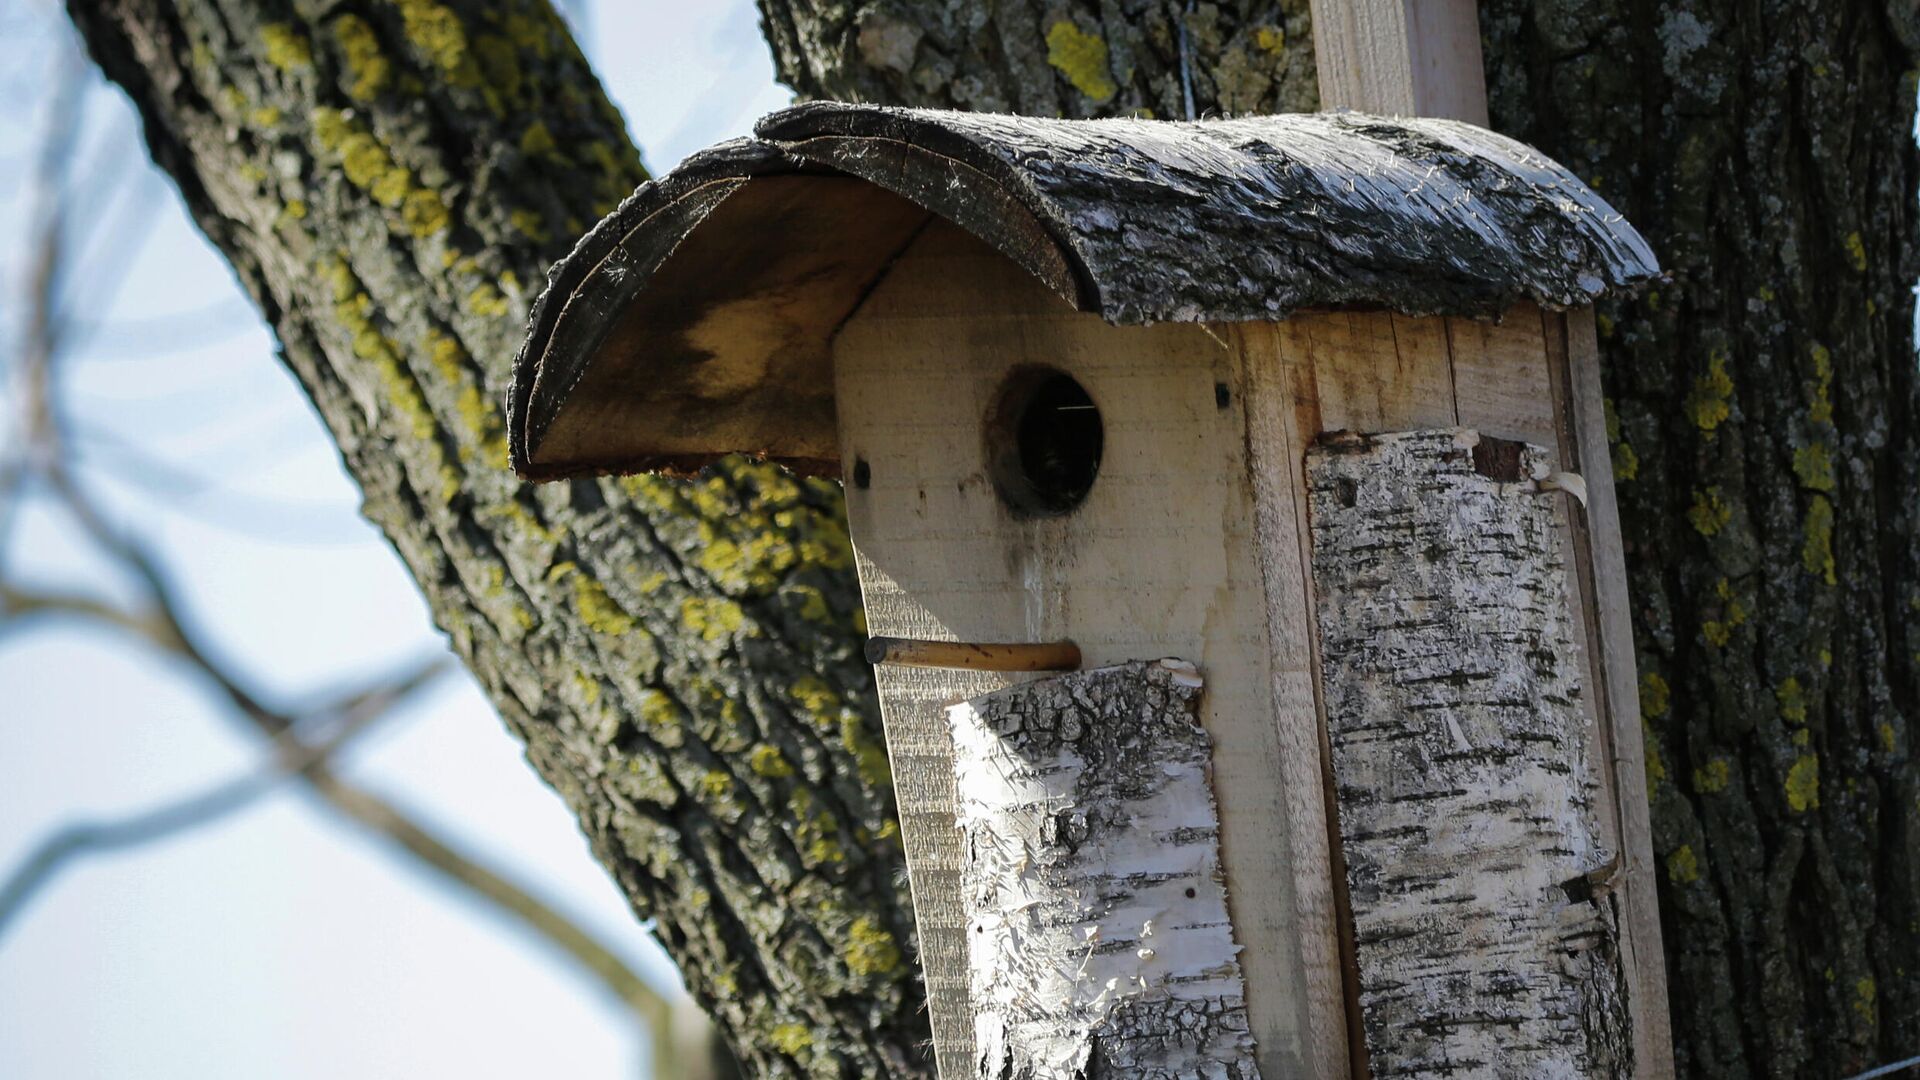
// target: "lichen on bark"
[[1768, 421], [391, 181]]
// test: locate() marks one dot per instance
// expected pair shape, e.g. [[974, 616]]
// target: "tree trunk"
[[1767, 457], [390, 181], [679, 657]]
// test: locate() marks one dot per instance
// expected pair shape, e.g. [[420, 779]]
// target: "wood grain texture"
[[1099, 942], [1400, 57], [1486, 937], [1159, 561]]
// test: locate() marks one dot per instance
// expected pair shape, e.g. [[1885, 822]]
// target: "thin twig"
[[291, 755]]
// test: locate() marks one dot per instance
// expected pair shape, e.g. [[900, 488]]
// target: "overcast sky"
[[279, 943]]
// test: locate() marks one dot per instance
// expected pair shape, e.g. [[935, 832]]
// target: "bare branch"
[[291, 755]]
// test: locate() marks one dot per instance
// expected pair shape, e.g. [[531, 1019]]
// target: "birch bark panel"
[[1485, 934], [1159, 561], [1098, 941]]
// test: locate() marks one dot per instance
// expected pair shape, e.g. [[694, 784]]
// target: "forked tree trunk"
[[391, 178]]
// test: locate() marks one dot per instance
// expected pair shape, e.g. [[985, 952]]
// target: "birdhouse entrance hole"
[[1044, 438]]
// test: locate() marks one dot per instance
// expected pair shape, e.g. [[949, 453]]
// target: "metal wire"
[[1887, 1070]]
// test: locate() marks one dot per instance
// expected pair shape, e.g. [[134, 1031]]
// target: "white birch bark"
[[1098, 936], [1484, 932]]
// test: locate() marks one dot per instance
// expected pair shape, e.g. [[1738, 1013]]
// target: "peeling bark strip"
[[1460, 761], [1099, 942]]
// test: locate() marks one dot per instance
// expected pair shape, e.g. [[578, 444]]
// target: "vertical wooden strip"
[[1098, 940], [1400, 57], [1460, 755], [1283, 414], [1612, 641]]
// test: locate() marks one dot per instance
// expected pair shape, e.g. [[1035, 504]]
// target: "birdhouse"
[[1234, 520]]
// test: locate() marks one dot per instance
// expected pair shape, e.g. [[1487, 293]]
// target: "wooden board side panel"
[[1159, 561], [1617, 677]]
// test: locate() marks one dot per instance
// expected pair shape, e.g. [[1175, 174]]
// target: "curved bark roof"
[[696, 319]]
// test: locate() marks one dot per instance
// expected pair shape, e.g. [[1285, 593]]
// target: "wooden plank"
[[1159, 561], [1604, 566], [1283, 415], [1466, 797], [1372, 371], [1400, 58], [1100, 940], [1500, 378]]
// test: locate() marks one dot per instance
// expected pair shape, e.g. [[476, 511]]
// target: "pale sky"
[[279, 942]]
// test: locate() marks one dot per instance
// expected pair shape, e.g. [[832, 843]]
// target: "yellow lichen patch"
[[1708, 405], [717, 784], [601, 613], [1711, 778], [1683, 867], [1732, 614], [1793, 701], [482, 418], [1889, 738], [366, 63], [713, 618], [529, 224], [813, 604], [438, 33], [660, 715], [1816, 553], [1271, 39], [537, 140], [1082, 58], [1655, 695], [816, 832], [486, 300], [264, 117], [1865, 999], [352, 310], [423, 212], [1814, 466], [1821, 410], [586, 688], [869, 755], [1626, 463], [1709, 513], [1803, 783], [1856, 251], [871, 950], [816, 698], [792, 1040], [769, 762], [287, 48]]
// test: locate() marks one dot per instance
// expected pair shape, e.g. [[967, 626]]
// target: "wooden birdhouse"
[[1284, 434]]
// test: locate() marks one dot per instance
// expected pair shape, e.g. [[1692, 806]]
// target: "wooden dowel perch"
[[975, 656]]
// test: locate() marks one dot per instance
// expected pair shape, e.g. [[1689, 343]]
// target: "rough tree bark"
[[390, 181], [678, 657]]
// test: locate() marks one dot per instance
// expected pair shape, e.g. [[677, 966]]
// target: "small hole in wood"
[[1222, 395], [1191, 893], [862, 474], [1044, 440]]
